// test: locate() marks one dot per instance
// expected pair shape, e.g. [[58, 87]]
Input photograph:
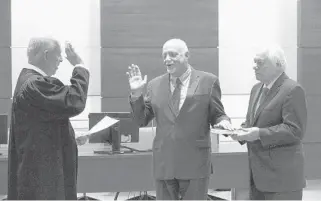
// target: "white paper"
[[103, 124], [226, 132]]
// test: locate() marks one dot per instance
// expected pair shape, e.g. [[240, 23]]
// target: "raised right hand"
[[136, 83], [72, 55]]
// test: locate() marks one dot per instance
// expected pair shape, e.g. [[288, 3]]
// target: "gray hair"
[[276, 55], [38, 45]]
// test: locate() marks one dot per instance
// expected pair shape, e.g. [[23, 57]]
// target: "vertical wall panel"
[[309, 23], [309, 54], [5, 23], [5, 66], [149, 23], [134, 31]]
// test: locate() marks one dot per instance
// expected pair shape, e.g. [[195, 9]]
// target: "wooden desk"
[[133, 172]]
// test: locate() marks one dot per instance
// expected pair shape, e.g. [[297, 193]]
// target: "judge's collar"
[[35, 68]]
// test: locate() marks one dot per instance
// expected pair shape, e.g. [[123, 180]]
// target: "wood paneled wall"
[[5, 63], [134, 31], [309, 63]]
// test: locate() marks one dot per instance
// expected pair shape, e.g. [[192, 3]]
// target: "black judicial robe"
[[42, 158]]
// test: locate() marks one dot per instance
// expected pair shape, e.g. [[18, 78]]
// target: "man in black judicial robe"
[[42, 148]]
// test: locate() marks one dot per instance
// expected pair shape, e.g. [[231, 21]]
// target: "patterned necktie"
[[264, 93], [176, 96]]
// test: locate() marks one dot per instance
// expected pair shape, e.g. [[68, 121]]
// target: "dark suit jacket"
[[42, 147], [276, 160], [182, 146]]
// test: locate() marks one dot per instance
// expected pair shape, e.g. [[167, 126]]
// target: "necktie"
[[264, 93], [176, 96]]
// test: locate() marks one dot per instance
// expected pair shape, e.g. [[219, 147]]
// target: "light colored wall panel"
[[249, 22], [90, 56], [145, 23], [309, 23], [115, 62], [73, 20], [236, 68], [235, 105]]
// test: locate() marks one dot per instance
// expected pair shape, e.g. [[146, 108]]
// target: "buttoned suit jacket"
[[182, 145], [276, 161]]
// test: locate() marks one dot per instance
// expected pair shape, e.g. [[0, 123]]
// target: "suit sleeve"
[[141, 108], [53, 99], [294, 116], [217, 112]]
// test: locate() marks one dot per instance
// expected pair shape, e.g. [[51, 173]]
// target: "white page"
[[103, 124]]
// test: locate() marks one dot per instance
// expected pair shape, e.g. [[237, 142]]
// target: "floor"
[[312, 192]]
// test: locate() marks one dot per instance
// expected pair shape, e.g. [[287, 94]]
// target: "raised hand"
[[136, 82], [72, 56]]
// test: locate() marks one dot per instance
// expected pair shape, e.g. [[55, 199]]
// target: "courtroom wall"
[[244, 27], [133, 32], [5, 62], [111, 34], [77, 21], [309, 60]]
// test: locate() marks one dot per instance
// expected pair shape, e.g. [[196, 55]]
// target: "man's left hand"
[[248, 134], [224, 124]]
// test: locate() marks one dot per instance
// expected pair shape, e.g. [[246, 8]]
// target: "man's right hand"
[[73, 58], [136, 83]]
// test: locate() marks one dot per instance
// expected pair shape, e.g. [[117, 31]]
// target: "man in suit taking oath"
[[275, 125], [42, 147], [184, 102]]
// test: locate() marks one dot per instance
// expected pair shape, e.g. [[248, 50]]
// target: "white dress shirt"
[[185, 79]]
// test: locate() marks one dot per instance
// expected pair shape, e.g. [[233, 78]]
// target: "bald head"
[[177, 44], [175, 55]]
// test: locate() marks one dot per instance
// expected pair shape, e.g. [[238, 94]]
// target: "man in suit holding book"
[[185, 103], [274, 128]]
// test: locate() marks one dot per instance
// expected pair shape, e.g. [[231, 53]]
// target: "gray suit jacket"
[[182, 146], [277, 160]]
